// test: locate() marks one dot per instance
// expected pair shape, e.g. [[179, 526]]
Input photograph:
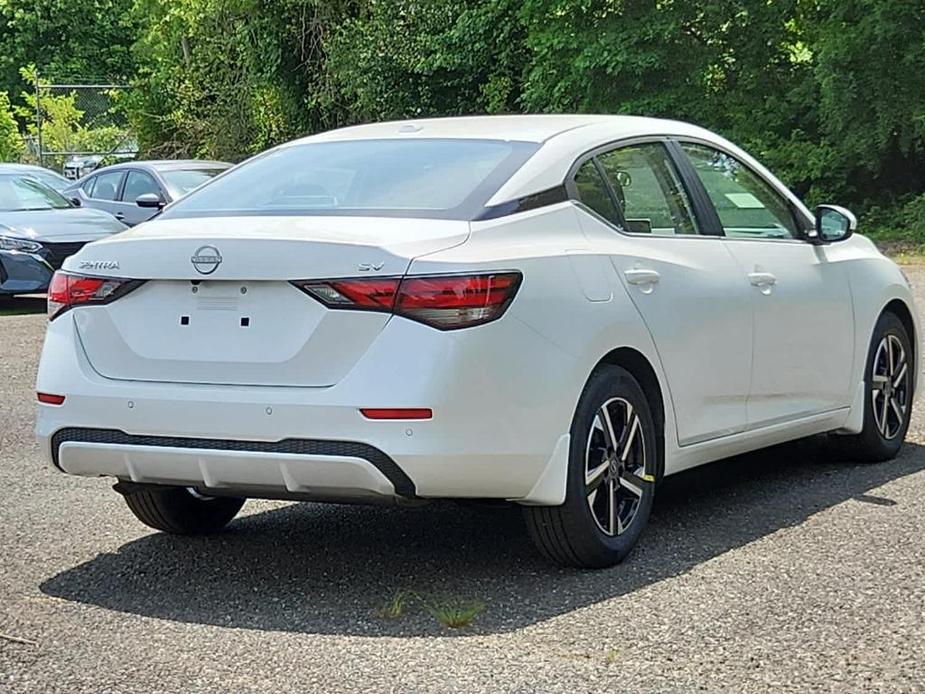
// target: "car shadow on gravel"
[[321, 569]]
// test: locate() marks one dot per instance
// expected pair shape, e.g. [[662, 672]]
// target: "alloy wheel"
[[890, 386], [615, 466]]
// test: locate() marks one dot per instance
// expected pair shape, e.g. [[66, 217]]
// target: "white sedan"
[[557, 311]]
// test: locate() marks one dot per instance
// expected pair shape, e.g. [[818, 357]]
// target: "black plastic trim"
[[545, 198], [696, 192], [353, 449]]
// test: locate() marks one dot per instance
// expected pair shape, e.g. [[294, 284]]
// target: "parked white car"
[[552, 310]]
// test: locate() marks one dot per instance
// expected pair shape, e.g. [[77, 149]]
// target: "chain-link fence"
[[80, 126]]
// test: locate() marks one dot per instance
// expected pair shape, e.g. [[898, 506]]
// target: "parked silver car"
[[116, 189]]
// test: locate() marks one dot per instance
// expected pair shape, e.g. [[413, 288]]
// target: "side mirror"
[[75, 201], [833, 223], [152, 200]]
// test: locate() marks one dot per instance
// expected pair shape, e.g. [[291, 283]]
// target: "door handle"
[[762, 279], [639, 276], [120, 216]]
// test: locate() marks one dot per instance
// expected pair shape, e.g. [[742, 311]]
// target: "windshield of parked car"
[[182, 181], [429, 178], [52, 180], [21, 193]]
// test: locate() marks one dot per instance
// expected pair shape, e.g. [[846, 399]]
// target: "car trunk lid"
[[218, 306]]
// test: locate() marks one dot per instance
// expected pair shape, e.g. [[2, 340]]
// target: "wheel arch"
[[639, 366], [901, 310]]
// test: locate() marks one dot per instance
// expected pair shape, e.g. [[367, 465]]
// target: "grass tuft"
[[452, 612], [394, 607]]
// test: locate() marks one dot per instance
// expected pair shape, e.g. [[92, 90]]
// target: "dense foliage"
[[829, 93]]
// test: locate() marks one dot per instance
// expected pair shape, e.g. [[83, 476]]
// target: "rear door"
[[103, 194], [684, 283], [804, 324]]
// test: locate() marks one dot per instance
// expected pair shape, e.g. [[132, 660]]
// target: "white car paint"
[[739, 366]]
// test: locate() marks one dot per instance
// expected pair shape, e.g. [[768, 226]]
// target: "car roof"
[[529, 128], [166, 165]]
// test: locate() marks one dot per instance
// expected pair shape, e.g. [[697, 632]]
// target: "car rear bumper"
[[497, 430], [297, 467]]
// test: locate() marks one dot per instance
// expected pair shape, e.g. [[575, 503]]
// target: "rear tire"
[[888, 374], [177, 510], [611, 477]]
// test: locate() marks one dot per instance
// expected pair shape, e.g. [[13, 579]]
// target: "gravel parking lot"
[[784, 569]]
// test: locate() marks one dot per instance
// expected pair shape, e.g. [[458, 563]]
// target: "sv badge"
[[370, 267]]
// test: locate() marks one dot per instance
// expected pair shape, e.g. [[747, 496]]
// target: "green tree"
[[402, 59], [870, 70], [66, 39], [63, 128], [227, 78], [11, 144]]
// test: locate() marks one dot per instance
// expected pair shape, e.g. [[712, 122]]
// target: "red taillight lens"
[[456, 301], [67, 290], [446, 302], [374, 294]]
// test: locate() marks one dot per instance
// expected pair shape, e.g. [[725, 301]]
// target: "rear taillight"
[[67, 290], [447, 302]]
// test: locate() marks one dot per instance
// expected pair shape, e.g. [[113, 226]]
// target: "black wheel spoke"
[[615, 461], [888, 381]]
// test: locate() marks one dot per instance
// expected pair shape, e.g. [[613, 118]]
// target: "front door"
[[804, 324], [137, 183]]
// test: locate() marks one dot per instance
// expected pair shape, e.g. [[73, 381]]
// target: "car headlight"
[[11, 243]]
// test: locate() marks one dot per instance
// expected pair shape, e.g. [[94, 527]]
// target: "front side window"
[[22, 194], [106, 186], [648, 190], [139, 183], [748, 207], [427, 178]]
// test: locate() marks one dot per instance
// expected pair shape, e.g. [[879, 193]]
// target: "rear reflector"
[[50, 399], [398, 413], [447, 302], [67, 290]]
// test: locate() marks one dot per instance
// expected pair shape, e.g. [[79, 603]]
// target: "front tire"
[[178, 510], [611, 476], [888, 375]]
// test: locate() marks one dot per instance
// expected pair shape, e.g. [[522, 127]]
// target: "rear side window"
[[592, 191], [429, 178], [648, 190], [747, 205], [106, 186]]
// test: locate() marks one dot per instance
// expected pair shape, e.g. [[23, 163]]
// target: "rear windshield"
[[429, 178], [182, 181]]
